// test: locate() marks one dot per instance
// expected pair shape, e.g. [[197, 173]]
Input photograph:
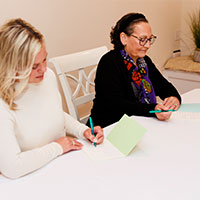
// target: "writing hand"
[[99, 136], [162, 115]]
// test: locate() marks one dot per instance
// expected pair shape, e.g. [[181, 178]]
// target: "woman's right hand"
[[162, 115], [68, 144]]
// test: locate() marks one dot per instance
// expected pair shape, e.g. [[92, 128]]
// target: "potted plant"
[[195, 29]]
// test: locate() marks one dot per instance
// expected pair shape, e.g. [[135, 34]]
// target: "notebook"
[[190, 111]]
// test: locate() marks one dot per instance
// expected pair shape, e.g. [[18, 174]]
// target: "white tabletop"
[[165, 165]]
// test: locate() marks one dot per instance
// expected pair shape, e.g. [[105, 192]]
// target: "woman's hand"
[[68, 144], [98, 138], [162, 115], [171, 103], [168, 103]]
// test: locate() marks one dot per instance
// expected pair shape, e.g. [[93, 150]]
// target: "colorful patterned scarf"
[[140, 82]]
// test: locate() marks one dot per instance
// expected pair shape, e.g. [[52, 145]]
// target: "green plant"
[[195, 27]]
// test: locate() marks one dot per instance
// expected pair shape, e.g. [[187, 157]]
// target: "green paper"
[[190, 107], [126, 134]]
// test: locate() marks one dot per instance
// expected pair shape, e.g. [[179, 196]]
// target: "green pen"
[[92, 129], [159, 111]]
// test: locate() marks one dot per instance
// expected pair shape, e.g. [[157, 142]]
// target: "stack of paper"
[[188, 111]]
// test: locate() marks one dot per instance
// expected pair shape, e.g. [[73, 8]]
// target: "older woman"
[[127, 81], [33, 124]]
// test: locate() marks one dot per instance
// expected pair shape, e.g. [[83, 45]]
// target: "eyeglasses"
[[143, 41]]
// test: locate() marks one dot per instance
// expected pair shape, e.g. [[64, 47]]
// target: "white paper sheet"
[[186, 115], [104, 151]]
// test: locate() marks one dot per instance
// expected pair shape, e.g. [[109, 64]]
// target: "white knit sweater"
[[27, 135]]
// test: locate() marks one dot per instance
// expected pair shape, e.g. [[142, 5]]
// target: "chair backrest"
[[78, 62]]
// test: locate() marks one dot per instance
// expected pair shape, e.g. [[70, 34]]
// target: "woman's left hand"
[[98, 138], [171, 103]]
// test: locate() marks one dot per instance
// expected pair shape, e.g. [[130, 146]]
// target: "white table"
[[165, 165]]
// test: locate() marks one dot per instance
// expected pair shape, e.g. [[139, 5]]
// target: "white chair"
[[65, 65]]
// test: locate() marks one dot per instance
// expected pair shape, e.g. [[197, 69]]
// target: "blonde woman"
[[33, 124]]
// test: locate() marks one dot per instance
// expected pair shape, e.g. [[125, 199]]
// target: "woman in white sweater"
[[33, 126]]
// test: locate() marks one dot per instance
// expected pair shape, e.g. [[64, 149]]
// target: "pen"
[[159, 111], [92, 129]]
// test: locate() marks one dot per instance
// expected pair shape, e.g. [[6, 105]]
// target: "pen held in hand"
[[92, 129], [159, 111]]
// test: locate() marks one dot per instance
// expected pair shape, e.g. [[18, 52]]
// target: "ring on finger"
[[73, 143]]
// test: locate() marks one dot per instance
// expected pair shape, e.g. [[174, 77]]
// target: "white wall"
[[74, 25], [188, 7]]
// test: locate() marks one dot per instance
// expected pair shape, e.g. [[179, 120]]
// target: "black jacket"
[[114, 93]]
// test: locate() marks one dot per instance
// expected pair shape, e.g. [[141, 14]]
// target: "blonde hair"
[[20, 42]]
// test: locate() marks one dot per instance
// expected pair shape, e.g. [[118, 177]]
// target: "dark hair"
[[125, 25]]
